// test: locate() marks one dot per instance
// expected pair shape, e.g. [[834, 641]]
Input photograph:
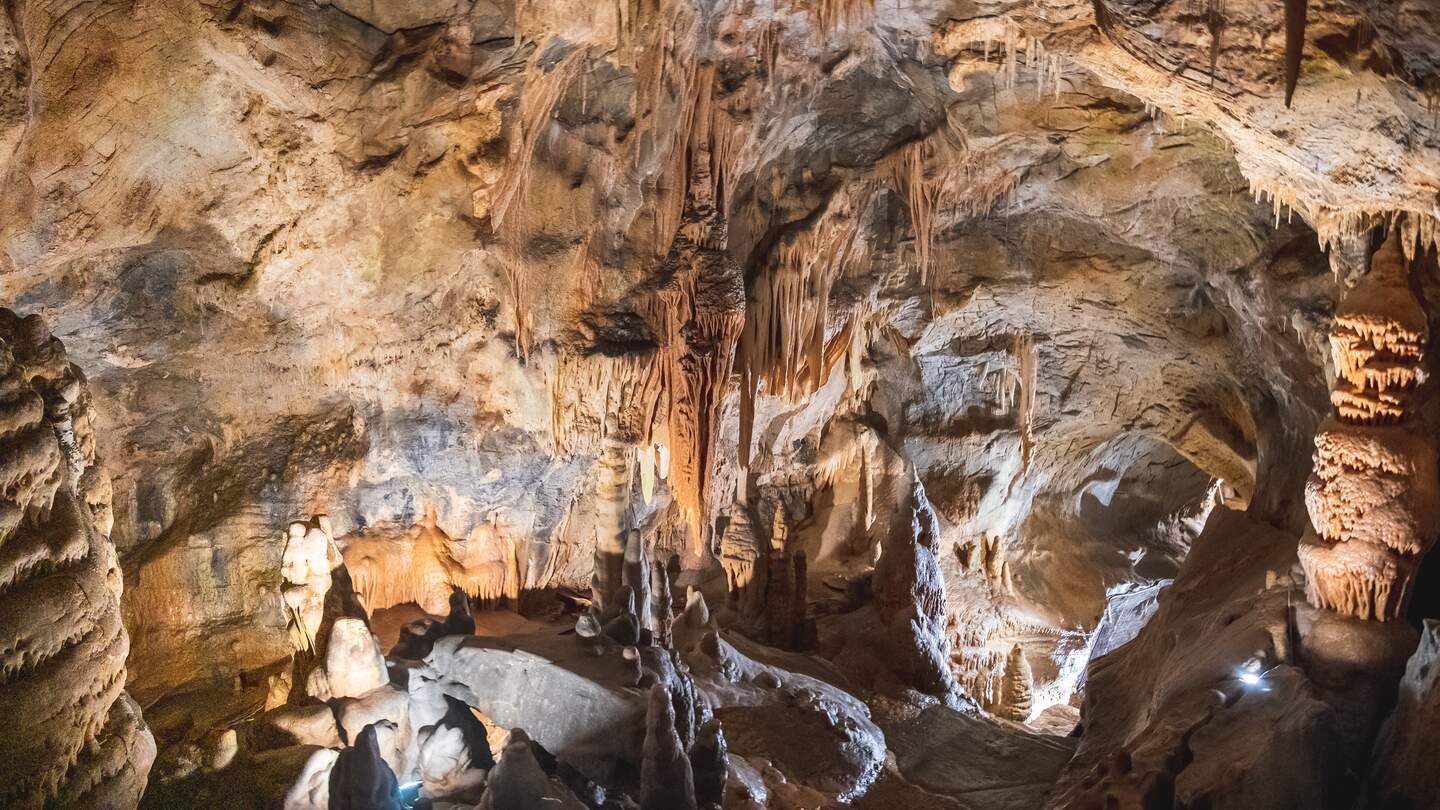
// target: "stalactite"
[[543, 89], [833, 14], [1417, 231], [922, 196], [520, 305], [1373, 495], [595, 394], [783, 346], [981, 675], [698, 318], [1025, 353], [423, 566], [1215, 22], [1015, 391]]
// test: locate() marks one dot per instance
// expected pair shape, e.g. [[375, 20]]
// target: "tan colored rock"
[[1373, 497], [79, 739], [354, 665]]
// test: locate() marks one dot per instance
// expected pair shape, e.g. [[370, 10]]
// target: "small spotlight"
[[1250, 678]]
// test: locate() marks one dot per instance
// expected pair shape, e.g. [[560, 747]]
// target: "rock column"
[[77, 738], [1373, 496]]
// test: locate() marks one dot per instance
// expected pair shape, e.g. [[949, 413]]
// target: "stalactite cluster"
[[1017, 392], [424, 566], [783, 348], [1373, 498]]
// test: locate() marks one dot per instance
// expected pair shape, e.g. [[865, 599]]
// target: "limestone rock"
[[80, 739], [1400, 776], [360, 779], [354, 665]]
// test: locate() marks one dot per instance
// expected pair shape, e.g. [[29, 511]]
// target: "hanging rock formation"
[[1374, 498], [77, 739]]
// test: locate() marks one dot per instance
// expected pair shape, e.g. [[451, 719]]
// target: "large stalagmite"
[[1373, 498], [76, 738]]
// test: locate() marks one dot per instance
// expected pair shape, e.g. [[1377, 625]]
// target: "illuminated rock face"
[[77, 738], [1373, 498]]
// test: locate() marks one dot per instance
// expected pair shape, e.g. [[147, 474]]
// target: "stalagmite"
[[311, 790], [709, 762], [1373, 496], [636, 577], [612, 494], [662, 605], [360, 779], [739, 553], [76, 738], [910, 595], [1015, 696], [666, 781], [518, 781], [305, 565], [445, 763], [353, 663]]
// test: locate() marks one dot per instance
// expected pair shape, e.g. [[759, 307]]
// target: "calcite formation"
[[425, 564], [306, 564], [1018, 687], [79, 740], [1373, 498], [910, 596]]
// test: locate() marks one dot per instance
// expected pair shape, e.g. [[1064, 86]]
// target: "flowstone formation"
[[1373, 498], [79, 740]]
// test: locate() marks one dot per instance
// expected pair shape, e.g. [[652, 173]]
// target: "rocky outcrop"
[[1400, 774], [1157, 708], [79, 740]]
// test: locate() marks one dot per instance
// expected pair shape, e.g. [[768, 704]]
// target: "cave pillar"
[[76, 737], [1373, 495]]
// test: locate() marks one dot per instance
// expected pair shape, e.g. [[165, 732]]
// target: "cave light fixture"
[[1252, 673]]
